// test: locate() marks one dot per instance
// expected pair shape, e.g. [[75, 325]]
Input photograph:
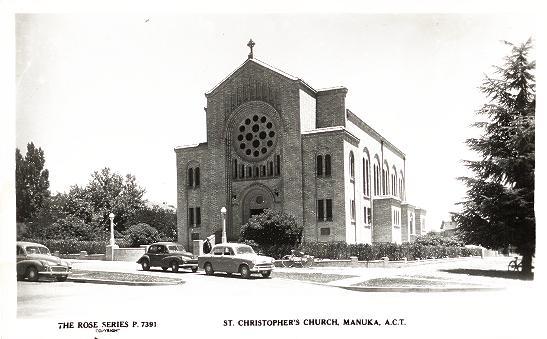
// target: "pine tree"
[[499, 208]]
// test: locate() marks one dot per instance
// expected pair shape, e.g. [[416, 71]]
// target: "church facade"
[[275, 142]]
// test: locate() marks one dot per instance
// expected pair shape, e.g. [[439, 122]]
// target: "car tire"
[[32, 273], [245, 272], [266, 274], [194, 269], [145, 265], [208, 269], [174, 266], [61, 278]]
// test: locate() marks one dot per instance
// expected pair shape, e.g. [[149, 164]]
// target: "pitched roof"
[[265, 65]]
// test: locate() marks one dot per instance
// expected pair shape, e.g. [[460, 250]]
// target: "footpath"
[[469, 274]]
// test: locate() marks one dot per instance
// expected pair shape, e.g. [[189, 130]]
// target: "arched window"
[[256, 171], [327, 165], [270, 168], [319, 165], [277, 165], [190, 179], [241, 171], [366, 175], [385, 178], [351, 166], [196, 177], [377, 180]]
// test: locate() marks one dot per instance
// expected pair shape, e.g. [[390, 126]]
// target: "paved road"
[[202, 303]]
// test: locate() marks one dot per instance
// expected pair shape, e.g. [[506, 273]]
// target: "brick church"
[[275, 142]]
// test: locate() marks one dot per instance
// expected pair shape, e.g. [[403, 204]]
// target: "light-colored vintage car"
[[235, 258], [34, 260], [168, 255]]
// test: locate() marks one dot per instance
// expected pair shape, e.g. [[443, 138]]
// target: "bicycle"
[[515, 265], [297, 259]]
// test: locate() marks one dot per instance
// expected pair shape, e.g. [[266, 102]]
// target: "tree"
[[141, 234], [499, 208], [163, 219], [272, 229], [31, 182]]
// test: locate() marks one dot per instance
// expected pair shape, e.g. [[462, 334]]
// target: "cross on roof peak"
[[251, 44]]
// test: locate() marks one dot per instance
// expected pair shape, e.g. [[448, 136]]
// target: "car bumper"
[[262, 268], [55, 271]]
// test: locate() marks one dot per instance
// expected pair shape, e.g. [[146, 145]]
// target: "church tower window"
[[327, 165], [319, 164], [190, 179], [196, 177]]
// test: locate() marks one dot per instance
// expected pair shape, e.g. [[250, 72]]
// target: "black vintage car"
[[35, 261], [168, 255]]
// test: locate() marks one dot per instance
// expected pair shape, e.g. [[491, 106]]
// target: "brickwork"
[[408, 225], [420, 221], [260, 119]]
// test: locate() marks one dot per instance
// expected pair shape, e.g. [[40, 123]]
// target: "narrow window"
[[270, 168], [249, 172], [198, 216], [329, 209], [263, 170], [325, 230], [241, 171], [369, 215], [191, 216], [319, 164], [320, 212], [365, 215], [277, 165], [351, 166], [352, 209], [327, 165], [234, 175], [256, 171], [196, 177], [190, 177]]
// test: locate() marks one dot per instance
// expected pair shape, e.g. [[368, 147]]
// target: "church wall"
[[307, 111], [407, 215], [255, 83], [323, 187], [192, 196], [420, 216], [331, 108]]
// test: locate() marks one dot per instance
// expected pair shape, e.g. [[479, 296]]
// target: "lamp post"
[[112, 241], [223, 213]]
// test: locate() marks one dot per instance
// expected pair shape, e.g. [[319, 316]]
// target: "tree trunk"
[[526, 263]]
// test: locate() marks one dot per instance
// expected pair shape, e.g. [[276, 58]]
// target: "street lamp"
[[223, 213], [112, 241]]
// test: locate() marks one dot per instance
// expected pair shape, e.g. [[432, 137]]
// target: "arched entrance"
[[256, 199]]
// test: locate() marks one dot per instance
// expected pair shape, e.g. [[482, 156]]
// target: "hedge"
[[376, 251], [71, 246]]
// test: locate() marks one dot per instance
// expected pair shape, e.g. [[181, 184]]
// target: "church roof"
[[265, 65]]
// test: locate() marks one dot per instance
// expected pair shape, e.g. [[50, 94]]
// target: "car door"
[[152, 254], [229, 260], [216, 260], [20, 256], [161, 254]]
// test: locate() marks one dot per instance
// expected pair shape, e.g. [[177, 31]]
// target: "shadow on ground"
[[492, 273]]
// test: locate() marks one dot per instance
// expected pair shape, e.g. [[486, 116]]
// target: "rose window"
[[254, 137]]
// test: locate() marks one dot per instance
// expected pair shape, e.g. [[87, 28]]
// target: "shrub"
[[274, 233], [436, 239], [141, 234], [376, 251]]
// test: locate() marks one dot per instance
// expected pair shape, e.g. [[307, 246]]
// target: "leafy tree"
[[163, 219], [141, 234], [31, 182], [272, 228], [499, 207]]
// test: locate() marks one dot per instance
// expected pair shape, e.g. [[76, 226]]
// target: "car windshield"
[[245, 250], [176, 248], [37, 250]]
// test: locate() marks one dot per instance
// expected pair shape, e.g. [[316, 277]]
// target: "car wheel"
[[32, 273], [266, 274], [61, 278], [164, 268], [194, 269], [208, 269], [245, 272], [145, 265], [174, 266]]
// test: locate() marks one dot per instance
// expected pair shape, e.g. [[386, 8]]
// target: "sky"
[[123, 90]]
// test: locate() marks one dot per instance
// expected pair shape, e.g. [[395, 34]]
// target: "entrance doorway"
[[256, 211]]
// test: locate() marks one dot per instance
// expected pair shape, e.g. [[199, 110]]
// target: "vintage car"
[[168, 255], [34, 260], [235, 258]]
